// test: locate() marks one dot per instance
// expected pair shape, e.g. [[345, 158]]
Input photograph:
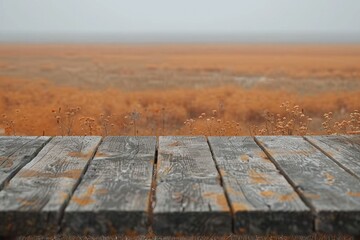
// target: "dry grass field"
[[179, 89]]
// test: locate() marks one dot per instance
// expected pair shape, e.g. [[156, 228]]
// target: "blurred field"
[[172, 89]]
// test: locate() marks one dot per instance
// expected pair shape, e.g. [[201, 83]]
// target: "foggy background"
[[332, 21]]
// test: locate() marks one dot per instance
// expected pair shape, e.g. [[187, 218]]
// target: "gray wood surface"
[[114, 194], [34, 199], [345, 150], [15, 152], [261, 199], [332, 192], [189, 197]]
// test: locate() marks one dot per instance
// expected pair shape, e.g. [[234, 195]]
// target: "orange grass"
[[178, 89], [296, 61], [41, 107]]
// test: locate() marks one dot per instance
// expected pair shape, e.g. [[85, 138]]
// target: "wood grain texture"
[[189, 197], [333, 193], [114, 194], [33, 201], [15, 152], [261, 199], [345, 150]]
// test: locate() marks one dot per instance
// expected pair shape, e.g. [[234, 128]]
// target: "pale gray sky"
[[182, 20]]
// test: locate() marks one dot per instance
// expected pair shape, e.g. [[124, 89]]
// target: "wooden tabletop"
[[179, 185]]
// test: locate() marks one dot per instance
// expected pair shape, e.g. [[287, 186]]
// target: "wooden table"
[[288, 185]]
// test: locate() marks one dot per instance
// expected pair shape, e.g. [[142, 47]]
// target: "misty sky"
[[57, 20]]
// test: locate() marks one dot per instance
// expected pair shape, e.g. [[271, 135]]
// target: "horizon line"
[[163, 38]]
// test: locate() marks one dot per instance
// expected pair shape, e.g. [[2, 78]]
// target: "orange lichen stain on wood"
[[73, 173], [239, 207], [232, 191], [219, 198], [3, 159], [101, 155], [27, 173], [273, 152], [86, 198], [267, 193], [331, 153], [257, 178], [81, 155], [26, 202], [222, 172], [329, 178], [175, 144], [263, 156], [61, 197], [6, 162], [354, 194], [9, 163], [64, 196], [312, 196], [244, 157], [287, 197], [102, 191]]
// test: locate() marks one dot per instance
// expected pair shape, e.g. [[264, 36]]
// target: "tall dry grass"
[[43, 108]]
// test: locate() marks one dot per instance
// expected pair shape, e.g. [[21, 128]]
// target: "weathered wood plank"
[[261, 199], [345, 150], [189, 197], [333, 193], [33, 201], [114, 194], [15, 152]]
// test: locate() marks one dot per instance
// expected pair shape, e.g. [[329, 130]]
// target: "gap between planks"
[[308, 204], [222, 185], [256, 190], [114, 194], [327, 186], [36, 145], [45, 197], [313, 143], [62, 211], [152, 198]]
